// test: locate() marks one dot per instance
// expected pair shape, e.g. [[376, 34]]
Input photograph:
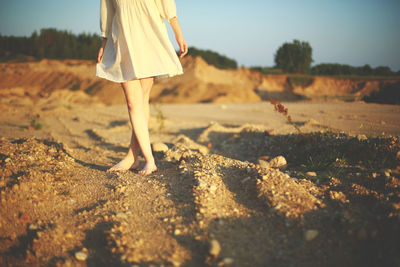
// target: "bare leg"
[[135, 101], [146, 84]]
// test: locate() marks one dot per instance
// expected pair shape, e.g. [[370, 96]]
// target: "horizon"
[[352, 32]]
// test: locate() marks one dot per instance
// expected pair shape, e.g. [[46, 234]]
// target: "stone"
[[246, 179], [121, 215], [312, 122], [278, 162], [263, 163], [215, 248], [177, 232], [311, 174], [362, 137], [81, 256], [33, 227], [203, 150], [310, 235], [159, 147], [15, 187], [176, 263], [227, 261], [213, 188]]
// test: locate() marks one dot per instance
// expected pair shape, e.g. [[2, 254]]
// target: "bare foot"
[[149, 168], [135, 166], [125, 164]]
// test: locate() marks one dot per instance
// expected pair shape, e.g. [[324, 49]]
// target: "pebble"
[[227, 261], [311, 174], [69, 235], [310, 235], [33, 227], [263, 163], [15, 187], [213, 188], [159, 147], [24, 187], [81, 256], [246, 179], [361, 137], [202, 183], [203, 150], [278, 162], [121, 215], [176, 263], [215, 248], [177, 232], [312, 122]]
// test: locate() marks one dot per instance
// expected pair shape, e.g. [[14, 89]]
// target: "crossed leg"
[[137, 93]]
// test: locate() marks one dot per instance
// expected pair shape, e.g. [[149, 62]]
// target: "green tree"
[[294, 57], [213, 58]]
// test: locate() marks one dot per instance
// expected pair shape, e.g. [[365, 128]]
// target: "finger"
[[181, 50], [185, 50], [99, 57]]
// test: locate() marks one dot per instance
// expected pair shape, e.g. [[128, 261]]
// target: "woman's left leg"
[[134, 147]]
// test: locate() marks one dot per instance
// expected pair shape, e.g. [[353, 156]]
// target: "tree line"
[[51, 43], [213, 58], [58, 44], [294, 57]]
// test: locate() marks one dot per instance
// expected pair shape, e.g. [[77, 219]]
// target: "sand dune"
[[200, 83]]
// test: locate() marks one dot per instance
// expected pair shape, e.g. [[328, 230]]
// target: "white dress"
[[137, 44]]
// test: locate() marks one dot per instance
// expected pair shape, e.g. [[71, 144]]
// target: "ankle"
[[151, 161], [129, 156]]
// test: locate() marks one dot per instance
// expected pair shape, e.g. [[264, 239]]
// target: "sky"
[[354, 32]]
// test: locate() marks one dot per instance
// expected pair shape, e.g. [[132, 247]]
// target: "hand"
[[101, 50], [100, 54], [183, 46]]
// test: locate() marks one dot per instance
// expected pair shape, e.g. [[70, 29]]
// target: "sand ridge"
[[200, 83]]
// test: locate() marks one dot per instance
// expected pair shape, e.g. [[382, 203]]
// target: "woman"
[[135, 50]]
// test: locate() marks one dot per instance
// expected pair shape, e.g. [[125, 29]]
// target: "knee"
[[134, 105], [130, 105]]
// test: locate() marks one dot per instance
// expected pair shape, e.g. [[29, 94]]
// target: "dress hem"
[[156, 76]]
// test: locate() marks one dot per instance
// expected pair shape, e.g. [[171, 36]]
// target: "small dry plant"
[[279, 107], [160, 119]]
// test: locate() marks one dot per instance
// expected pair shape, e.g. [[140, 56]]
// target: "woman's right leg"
[[135, 101]]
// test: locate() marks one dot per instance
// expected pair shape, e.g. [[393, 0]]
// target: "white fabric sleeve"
[[106, 17], [167, 8]]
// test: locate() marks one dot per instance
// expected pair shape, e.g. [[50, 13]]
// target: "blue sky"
[[354, 32]]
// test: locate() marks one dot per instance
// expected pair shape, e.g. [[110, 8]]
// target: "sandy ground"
[[212, 202]]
